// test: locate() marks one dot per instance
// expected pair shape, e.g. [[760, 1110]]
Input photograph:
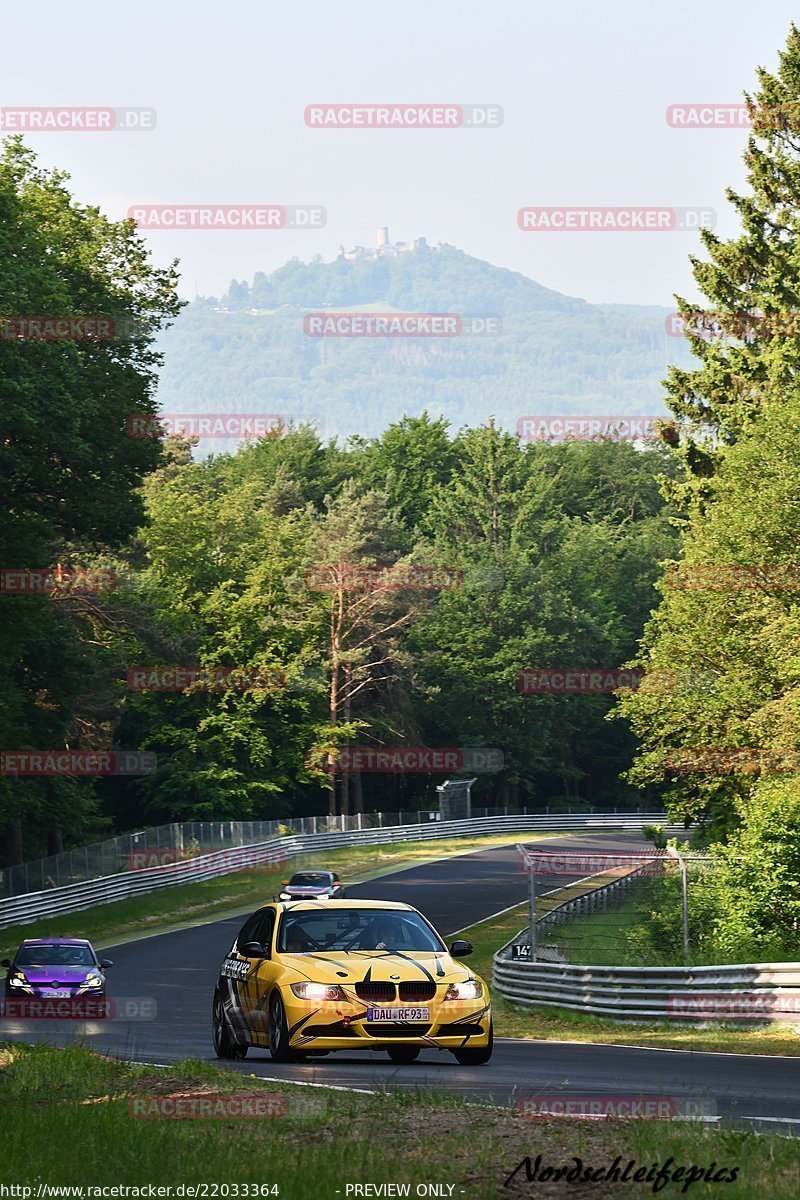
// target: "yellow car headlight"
[[318, 991], [470, 989]]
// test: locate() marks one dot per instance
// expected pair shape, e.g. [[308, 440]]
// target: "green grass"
[[229, 895], [75, 1110], [603, 937], [564, 1024]]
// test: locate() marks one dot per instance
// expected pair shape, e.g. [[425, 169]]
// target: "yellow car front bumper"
[[453, 1025]]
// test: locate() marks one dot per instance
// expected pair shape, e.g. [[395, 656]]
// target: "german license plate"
[[56, 993], [398, 1014]]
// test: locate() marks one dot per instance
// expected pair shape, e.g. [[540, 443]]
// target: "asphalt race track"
[[179, 971]]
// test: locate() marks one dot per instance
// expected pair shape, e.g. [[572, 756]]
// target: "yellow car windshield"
[[356, 929]]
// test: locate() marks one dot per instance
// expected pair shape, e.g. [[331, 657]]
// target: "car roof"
[[55, 941], [313, 871], [314, 905]]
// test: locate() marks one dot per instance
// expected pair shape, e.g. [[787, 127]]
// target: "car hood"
[[376, 967], [56, 974], [297, 889]]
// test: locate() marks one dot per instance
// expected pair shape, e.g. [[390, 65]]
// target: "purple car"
[[52, 968]]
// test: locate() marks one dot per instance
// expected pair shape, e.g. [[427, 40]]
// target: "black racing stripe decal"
[[292, 967], [408, 958], [324, 958], [472, 1016], [299, 1024], [234, 1010], [304, 1038]]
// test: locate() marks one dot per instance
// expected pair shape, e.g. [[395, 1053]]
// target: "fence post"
[[532, 902], [684, 902]]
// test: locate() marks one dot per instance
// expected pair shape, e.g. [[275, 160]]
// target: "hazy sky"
[[584, 89]]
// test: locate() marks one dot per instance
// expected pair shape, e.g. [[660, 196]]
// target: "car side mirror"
[[6, 962], [460, 948], [252, 950], [105, 963]]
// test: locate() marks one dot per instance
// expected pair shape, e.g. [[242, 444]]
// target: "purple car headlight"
[[18, 980], [92, 982]]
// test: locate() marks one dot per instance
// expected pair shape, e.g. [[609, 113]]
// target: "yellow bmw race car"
[[304, 978]]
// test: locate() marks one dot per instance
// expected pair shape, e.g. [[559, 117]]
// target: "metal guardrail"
[[159, 844], [20, 910], [755, 991]]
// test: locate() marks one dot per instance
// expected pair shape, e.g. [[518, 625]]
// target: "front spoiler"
[[359, 1038], [363, 1042]]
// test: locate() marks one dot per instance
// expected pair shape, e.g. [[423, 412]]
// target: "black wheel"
[[478, 1056], [225, 1044], [279, 1048], [403, 1054]]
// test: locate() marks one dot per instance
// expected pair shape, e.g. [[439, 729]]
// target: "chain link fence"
[[645, 907], [175, 842]]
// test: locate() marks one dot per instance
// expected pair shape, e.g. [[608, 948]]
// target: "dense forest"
[[551, 354], [295, 573]]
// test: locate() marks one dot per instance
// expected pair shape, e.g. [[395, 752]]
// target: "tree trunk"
[[13, 843], [358, 796], [346, 772], [334, 697], [55, 845]]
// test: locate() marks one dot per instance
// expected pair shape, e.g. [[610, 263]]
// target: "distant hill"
[[248, 352]]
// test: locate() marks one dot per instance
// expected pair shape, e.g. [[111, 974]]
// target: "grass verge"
[[77, 1110], [229, 895], [563, 1024]]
